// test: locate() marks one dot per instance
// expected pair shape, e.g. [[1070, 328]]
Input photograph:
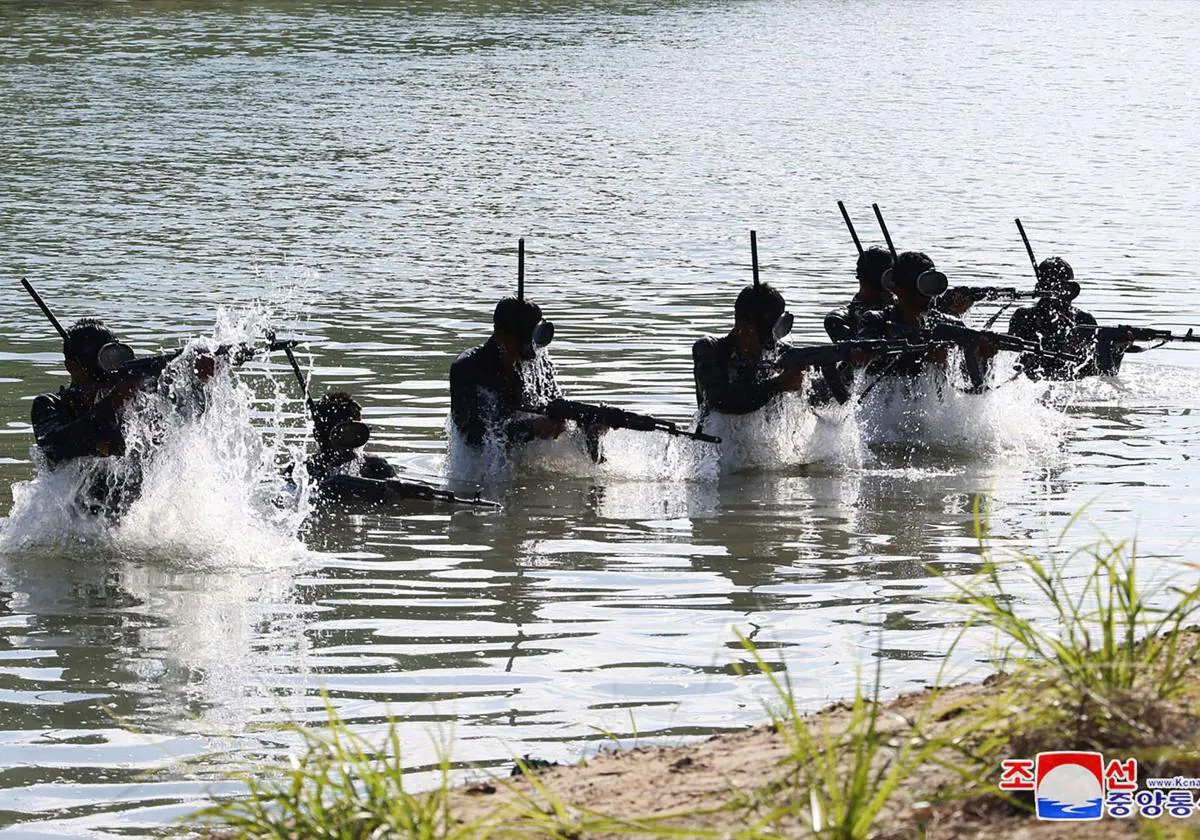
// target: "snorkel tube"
[[533, 331], [773, 333], [850, 227]]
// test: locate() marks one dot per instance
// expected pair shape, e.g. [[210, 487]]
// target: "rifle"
[[1005, 294], [118, 363], [827, 357], [391, 489], [1107, 337], [586, 414], [1123, 333], [969, 340]]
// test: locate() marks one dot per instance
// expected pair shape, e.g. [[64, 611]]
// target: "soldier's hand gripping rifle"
[[829, 357], [1107, 337], [970, 342], [587, 414]]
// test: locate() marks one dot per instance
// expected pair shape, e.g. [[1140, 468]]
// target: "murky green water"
[[366, 170]]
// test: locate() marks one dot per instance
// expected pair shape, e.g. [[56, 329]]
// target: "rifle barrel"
[[613, 417]]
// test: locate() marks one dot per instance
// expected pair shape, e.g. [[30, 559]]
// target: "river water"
[[364, 171]]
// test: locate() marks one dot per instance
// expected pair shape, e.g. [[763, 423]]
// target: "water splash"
[[200, 480], [784, 434], [927, 414], [934, 412]]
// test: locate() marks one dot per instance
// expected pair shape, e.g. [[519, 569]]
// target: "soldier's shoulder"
[[706, 346], [468, 360]]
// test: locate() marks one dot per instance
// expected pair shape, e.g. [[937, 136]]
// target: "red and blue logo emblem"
[[1069, 785]]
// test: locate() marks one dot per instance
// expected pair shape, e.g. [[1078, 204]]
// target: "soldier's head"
[[915, 280], [1056, 278], [872, 263], [337, 422], [761, 312], [518, 326], [81, 349]]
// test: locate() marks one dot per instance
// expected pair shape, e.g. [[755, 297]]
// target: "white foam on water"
[[784, 434], [933, 412], [1140, 384], [929, 413], [210, 480], [630, 455]]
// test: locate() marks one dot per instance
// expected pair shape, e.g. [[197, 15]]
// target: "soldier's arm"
[[63, 436], [466, 404]]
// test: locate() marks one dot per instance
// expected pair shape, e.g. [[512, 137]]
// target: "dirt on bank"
[[735, 782]]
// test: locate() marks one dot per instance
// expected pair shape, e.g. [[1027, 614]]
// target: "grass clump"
[[840, 774], [1107, 659], [339, 786]]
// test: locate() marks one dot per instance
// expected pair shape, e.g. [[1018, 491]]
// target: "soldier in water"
[[1052, 322], [490, 383], [339, 434], [86, 418], [842, 324], [916, 284], [735, 373]]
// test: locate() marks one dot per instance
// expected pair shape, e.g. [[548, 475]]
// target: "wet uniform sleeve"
[[62, 435], [872, 325], [1022, 325], [1105, 356], [467, 404], [717, 390]]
